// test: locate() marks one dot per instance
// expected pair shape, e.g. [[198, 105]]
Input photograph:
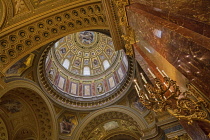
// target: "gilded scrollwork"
[[166, 96], [127, 32]]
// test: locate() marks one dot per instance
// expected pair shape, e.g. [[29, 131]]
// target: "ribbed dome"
[[85, 64]]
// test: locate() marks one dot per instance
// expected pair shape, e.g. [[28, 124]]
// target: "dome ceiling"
[[84, 66], [85, 53]]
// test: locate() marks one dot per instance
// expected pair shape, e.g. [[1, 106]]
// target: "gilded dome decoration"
[[85, 64]]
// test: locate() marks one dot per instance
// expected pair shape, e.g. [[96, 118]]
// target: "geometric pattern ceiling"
[[85, 53], [85, 65]]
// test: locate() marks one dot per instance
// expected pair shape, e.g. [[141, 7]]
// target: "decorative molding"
[[3, 130], [39, 103], [122, 33], [2, 12], [125, 121], [80, 102], [112, 20], [22, 41], [44, 120]]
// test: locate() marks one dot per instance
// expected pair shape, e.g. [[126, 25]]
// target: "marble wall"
[[191, 14], [185, 49]]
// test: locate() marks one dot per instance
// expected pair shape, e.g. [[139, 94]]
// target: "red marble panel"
[[145, 63], [116, 77], [49, 64], [197, 10], [69, 90], [123, 67], [189, 23], [194, 130], [186, 50], [106, 85], [56, 78], [80, 90], [67, 86], [93, 89]]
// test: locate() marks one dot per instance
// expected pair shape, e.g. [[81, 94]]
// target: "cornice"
[[46, 14], [79, 103], [30, 37]]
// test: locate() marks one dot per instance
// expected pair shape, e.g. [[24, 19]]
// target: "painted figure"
[[63, 50], [77, 62], [86, 37], [11, 106], [67, 125], [100, 88], [95, 62]]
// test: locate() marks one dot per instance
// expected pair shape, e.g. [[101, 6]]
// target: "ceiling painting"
[[85, 64], [67, 124], [19, 67]]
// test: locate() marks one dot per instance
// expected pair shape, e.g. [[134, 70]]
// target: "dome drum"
[[85, 89]]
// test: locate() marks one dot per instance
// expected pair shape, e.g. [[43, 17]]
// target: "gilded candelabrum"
[[166, 96]]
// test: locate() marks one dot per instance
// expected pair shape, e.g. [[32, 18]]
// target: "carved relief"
[[36, 3], [149, 118], [19, 7]]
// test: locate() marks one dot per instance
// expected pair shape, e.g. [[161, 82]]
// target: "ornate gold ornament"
[[16, 43], [166, 96], [127, 31]]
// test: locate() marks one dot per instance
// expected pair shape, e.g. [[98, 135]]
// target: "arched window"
[[106, 64], [86, 71], [66, 63]]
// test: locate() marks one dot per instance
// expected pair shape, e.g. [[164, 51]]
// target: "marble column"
[[186, 50]]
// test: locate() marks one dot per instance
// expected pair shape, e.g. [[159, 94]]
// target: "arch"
[[25, 133], [33, 89], [66, 63], [33, 41], [86, 70], [117, 108], [106, 64], [120, 136]]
